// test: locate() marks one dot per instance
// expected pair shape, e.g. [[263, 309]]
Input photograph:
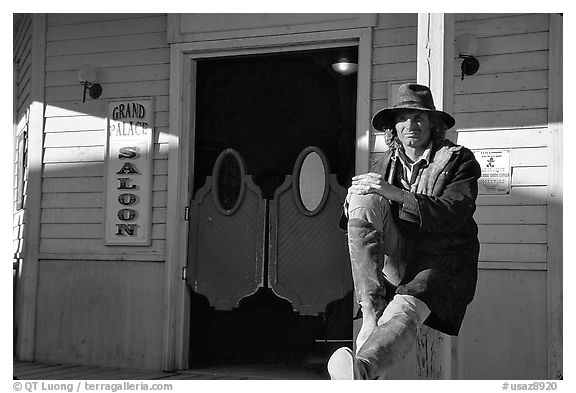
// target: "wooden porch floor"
[[50, 371]]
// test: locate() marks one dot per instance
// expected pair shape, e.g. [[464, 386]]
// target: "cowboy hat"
[[410, 96]]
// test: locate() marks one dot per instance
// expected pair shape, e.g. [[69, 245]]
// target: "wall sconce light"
[[87, 75], [466, 46], [345, 64]]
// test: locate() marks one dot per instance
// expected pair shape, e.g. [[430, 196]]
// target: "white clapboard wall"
[[131, 56], [22, 87], [110, 298], [503, 106]]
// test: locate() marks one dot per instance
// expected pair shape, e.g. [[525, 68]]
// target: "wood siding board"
[[75, 108], [394, 37], [23, 44], [72, 184], [24, 53], [160, 167], [73, 124], [74, 154], [512, 138], [109, 257], [396, 20], [470, 17], [496, 233], [72, 200], [79, 138], [494, 252], [24, 91], [24, 30], [94, 169], [88, 215], [530, 176], [73, 231], [92, 215], [24, 65], [515, 214], [538, 266], [65, 246], [73, 19], [501, 119], [112, 44], [507, 82], [520, 196], [108, 75], [22, 112], [394, 54], [107, 28], [482, 102], [160, 183], [535, 156], [105, 59], [505, 26], [492, 83], [394, 72], [91, 153], [159, 199], [512, 44], [380, 90], [90, 199], [24, 75], [73, 169]]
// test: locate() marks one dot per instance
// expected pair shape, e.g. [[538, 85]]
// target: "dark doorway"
[[269, 108]]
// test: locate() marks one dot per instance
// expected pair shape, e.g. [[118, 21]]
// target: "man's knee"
[[370, 207], [369, 201]]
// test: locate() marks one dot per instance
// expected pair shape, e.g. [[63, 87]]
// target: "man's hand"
[[371, 182]]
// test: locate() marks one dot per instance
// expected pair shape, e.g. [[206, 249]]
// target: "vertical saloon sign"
[[129, 157]]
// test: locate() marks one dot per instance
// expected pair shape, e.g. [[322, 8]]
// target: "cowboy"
[[412, 239]]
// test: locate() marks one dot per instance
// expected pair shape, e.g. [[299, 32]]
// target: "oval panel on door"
[[228, 181], [311, 181]]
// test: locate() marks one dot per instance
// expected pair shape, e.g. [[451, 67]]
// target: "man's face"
[[413, 128]]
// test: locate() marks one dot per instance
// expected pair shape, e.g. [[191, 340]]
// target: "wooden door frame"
[[27, 288], [555, 199], [435, 52], [183, 58]]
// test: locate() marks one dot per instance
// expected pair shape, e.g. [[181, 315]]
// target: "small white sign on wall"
[[495, 165], [129, 155]]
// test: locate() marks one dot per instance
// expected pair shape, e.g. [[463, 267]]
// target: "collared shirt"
[[412, 170], [410, 173]]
